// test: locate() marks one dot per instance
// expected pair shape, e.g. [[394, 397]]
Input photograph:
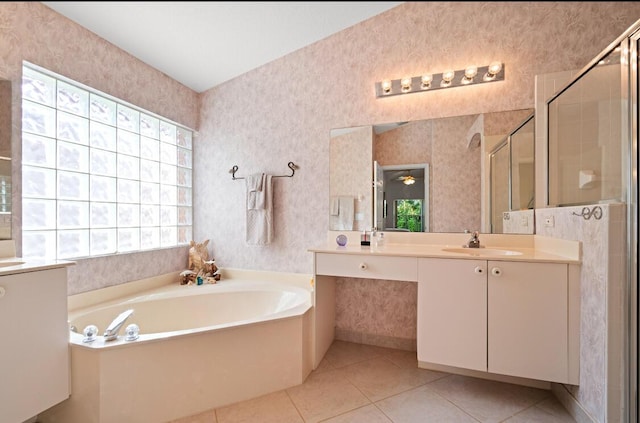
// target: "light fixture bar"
[[465, 77]]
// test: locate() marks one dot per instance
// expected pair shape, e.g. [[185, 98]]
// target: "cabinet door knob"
[[496, 271], [478, 270], [2, 292], [363, 266]]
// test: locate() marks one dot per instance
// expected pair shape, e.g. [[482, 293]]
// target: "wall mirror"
[[5, 159], [447, 157]]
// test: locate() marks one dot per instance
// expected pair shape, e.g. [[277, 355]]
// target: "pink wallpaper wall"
[[31, 31], [351, 169], [284, 111]]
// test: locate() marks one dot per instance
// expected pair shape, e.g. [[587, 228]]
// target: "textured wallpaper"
[[31, 31], [285, 110], [351, 172]]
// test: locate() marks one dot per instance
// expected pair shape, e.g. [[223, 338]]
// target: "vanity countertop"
[[440, 251], [13, 265]]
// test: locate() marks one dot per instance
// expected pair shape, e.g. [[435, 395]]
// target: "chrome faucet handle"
[[474, 242]]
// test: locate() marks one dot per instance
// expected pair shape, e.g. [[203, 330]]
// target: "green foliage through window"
[[409, 215]]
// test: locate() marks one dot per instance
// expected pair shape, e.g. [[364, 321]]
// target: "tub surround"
[[169, 311], [182, 375]]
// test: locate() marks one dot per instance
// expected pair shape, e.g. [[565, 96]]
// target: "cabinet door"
[[527, 320], [452, 312], [34, 351]]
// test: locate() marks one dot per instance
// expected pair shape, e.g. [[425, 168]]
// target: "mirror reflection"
[[453, 154], [512, 181], [5, 159]]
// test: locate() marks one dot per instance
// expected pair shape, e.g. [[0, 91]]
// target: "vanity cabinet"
[[527, 320], [452, 312], [34, 357], [502, 317], [367, 266]]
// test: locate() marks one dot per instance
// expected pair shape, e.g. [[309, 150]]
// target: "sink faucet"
[[474, 242], [112, 330]]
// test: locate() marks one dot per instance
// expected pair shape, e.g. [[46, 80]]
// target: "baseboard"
[[572, 405], [376, 340], [533, 383]]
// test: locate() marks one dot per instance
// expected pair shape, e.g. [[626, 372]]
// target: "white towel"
[[255, 196], [260, 220], [334, 207], [344, 220]]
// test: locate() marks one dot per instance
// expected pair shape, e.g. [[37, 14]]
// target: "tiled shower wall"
[[602, 279]]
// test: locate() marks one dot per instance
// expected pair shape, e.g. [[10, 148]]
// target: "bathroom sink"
[[482, 251]]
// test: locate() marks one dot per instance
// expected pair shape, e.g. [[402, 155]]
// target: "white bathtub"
[[200, 347]]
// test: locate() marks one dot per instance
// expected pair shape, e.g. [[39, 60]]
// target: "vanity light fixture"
[[447, 79]]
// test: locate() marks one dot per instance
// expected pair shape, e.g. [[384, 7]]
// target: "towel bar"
[[291, 166]]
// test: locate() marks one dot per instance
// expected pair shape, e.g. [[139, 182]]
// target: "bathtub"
[[199, 347]]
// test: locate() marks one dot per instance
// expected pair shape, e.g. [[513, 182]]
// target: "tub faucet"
[[112, 330], [474, 242]]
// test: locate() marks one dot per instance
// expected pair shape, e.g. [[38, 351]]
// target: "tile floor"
[[358, 383]]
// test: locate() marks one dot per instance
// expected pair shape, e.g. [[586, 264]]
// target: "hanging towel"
[[334, 207], [254, 190], [344, 220], [260, 218]]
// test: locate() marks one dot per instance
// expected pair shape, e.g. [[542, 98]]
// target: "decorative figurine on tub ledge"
[[201, 268]]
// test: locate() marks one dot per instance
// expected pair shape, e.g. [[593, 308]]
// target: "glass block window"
[[99, 176]]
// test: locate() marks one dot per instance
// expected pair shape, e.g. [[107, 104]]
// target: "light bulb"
[[386, 86], [495, 68], [448, 75], [426, 81], [471, 72], [405, 83]]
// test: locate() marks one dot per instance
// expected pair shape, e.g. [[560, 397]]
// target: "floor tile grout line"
[[286, 391], [382, 411], [452, 403]]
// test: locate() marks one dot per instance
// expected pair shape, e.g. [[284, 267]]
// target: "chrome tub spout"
[[112, 330]]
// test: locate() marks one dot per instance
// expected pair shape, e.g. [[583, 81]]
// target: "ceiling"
[[203, 44]]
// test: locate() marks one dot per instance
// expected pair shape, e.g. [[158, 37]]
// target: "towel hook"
[[290, 165]]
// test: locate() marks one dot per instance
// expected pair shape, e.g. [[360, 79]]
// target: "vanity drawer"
[[366, 266]]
